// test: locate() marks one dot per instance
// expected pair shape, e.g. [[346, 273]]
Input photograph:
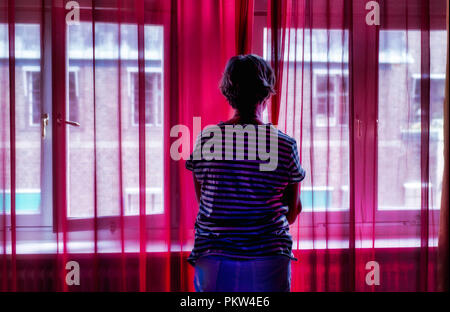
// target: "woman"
[[242, 240]]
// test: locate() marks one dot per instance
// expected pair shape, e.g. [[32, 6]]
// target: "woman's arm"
[[197, 186], [292, 198]]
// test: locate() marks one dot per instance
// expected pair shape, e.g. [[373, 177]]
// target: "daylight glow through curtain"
[[365, 104], [113, 85], [86, 134]]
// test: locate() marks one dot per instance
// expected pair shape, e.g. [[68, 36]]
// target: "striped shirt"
[[242, 213]]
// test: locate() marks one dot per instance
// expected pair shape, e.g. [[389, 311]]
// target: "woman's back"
[[243, 171]]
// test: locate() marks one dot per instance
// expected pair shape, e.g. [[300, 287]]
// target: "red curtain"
[[127, 89], [244, 25], [116, 203], [365, 104]]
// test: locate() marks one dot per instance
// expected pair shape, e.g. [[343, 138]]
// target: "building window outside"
[[33, 95], [74, 109], [330, 96], [437, 93], [153, 97]]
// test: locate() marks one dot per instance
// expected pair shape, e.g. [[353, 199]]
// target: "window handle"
[[60, 121], [359, 126], [44, 124]]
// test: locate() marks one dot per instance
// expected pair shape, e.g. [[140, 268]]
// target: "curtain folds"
[[277, 20], [363, 101], [95, 125], [244, 25], [123, 76], [443, 223]]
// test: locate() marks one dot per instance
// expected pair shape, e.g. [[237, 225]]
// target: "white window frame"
[[134, 191]]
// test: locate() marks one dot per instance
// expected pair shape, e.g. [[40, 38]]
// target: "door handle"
[[60, 121]]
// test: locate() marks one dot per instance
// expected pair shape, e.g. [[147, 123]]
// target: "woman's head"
[[247, 82]]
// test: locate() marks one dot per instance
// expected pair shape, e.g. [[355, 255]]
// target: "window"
[[315, 70], [333, 51], [153, 97], [330, 96], [28, 201], [399, 128], [329, 77], [153, 198], [393, 47], [318, 199], [33, 93], [30, 163], [73, 96], [437, 93], [98, 137]]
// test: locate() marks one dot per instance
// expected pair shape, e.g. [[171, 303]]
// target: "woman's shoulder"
[[223, 127]]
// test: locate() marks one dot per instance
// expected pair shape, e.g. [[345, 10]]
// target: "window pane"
[[154, 113], [73, 96], [153, 97], [28, 118], [83, 149], [314, 110], [399, 128], [33, 85]]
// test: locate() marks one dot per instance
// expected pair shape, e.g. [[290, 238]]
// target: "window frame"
[[363, 122], [154, 222]]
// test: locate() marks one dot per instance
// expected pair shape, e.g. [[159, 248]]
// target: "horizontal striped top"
[[242, 213]]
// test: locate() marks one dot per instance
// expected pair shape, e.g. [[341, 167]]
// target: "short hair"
[[247, 81]]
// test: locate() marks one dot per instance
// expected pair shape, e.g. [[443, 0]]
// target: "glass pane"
[[154, 116], [399, 134], [28, 118], [84, 147], [5, 170], [399, 185], [317, 94]]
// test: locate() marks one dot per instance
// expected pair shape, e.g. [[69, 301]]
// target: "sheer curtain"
[[100, 188], [91, 165], [365, 105], [443, 222]]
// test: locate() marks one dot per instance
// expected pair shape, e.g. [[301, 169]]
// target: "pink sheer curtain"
[[87, 131], [365, 105], [101, 190]]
